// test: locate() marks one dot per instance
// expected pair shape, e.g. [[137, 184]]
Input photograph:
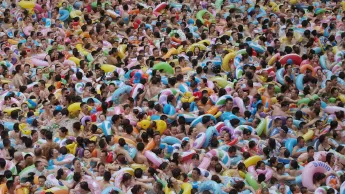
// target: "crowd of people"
[[172, 97]]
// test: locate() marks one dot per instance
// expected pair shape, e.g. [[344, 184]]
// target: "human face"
[[91, 146], [101, 169], [61, 134], [55, 153], [195, 175], [40, 167], [157, 138], [311, 153], [77, 164]]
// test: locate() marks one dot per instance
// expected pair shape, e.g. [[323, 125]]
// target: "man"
[[304, 157], [94, 151], [39, 169], [18, 79], [280, 175], [139, 157], [297, 150], [39, 156], [204, 124], [49, 144]]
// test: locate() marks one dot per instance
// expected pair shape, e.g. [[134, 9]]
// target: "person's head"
[[310, 151], [330, 158], [280, 168], [300, 141], [41, 180], [84, 186], [319, 178], [196, 173], [126, 179]]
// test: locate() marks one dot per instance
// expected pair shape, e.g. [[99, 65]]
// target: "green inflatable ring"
[[218, 4], [251, 181], [332, 100], [307, 100], [260, 128], [201, 13], [276, 88], [164, 66]]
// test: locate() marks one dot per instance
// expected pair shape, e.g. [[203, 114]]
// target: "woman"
[[78, 168], [88, 160], [294, 169], [126, 183], [331, 161], [325, 144], [240, 187], [61, 176], [174, 185]]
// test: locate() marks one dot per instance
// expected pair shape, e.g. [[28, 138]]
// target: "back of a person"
[[46, 147]]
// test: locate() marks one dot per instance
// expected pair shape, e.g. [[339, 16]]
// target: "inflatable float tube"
[[110, 189], [251, 181], [210, 185], [180, 33], [299, 82], [294, 57], [112, 14], [106, 127], [160, 7], [303, 69], [129, 141], [39, 63], [170, 140], [221, 101], [307, 100], [333, 109], [57, 190], [199, 119], [152, 157], [27, 4], [258, 48], [222, 82], [322, 62], [118, 92], [261, 127], [108, 68], [199, 140], [308, 136], [210, 132], [310, 169], [64, 14], [252, 161], [273, 59], [164, 66], [262, 12], [200, 46], [227, 60], [171, 51], [280, 76], [201, 13]]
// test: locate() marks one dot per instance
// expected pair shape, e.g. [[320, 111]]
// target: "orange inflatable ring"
[[213, 110], [85, 35], [266, 101], [185, 70], [304, 68], [150, 145], [176, 40], [22, 190], [129, 141], [134, 12], [93, 154], [3, 188], [13, 42]]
